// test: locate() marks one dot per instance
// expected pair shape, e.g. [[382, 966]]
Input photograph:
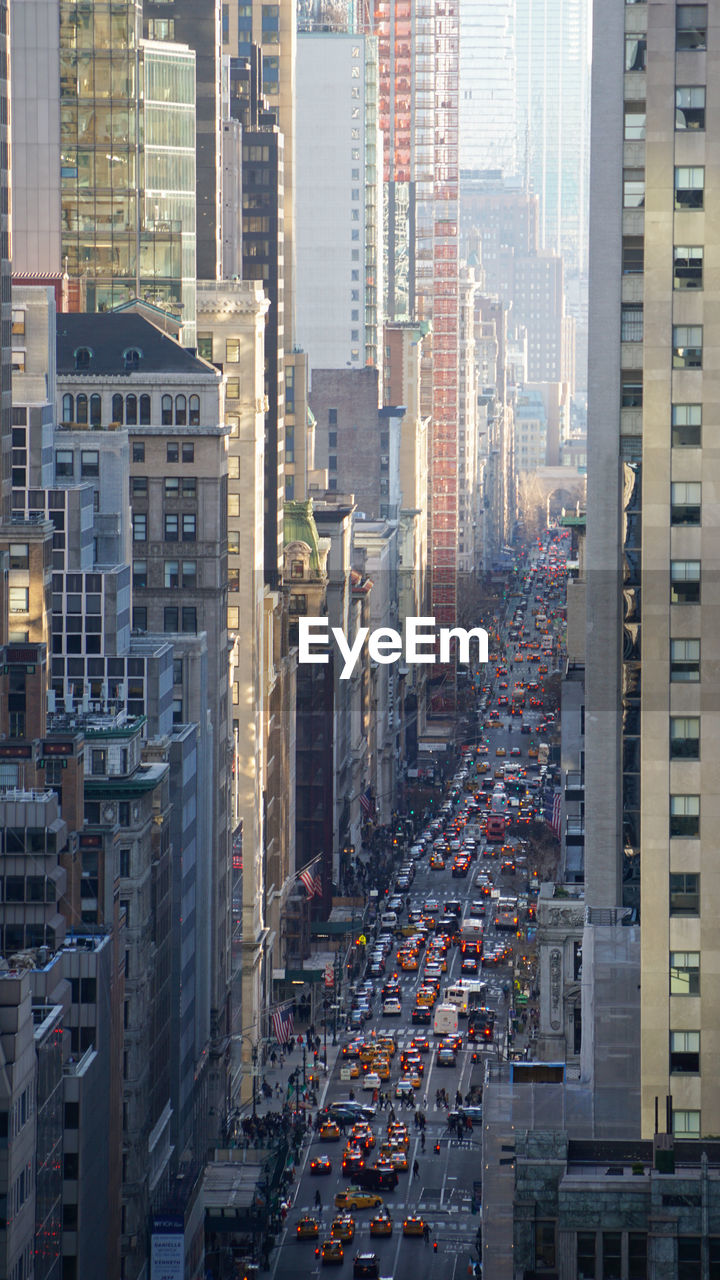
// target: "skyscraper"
[[487, 86], [5, 288], [552, 65], [651, 719]]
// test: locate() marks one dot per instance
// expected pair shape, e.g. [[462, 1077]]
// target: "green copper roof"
[[299, 526]]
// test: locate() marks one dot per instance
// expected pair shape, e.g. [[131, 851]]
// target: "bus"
[[495, 828], [506, 914]]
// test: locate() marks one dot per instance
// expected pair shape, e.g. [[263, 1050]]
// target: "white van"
[[388, 920], [446, 1020]]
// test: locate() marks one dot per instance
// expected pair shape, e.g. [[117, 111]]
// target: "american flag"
[[312, 883], [366, 803], [554, 814], [282, 1022]]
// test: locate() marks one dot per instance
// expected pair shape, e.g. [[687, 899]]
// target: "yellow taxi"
[[308, 1229], [408, 961], [397, 1157], [382, 1067], [533, 752], [398, 1133], [387, 1043], [331, 1253], [330, 1131], [354, 1070], [381, 1225], [413, 1226], [343, 1228], [367, 1051], [439, 960], [437, 862], [356, 1198], [425, 997], [500, 751], [361, 1135], [483, 766]]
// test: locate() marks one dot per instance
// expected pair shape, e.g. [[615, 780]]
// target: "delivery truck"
[[445, 1022]]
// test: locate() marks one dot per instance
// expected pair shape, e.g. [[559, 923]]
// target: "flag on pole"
[[318, 884], [283, 1022], [366, 803], [310, 882], [553, 814]]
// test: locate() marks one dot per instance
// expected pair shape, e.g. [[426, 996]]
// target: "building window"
[[180, 411], [684, 893], [68, 408], [19, 602], [634, 123], [297, 569], [633, 188], [545, 1247], [170, 618], [685, 817], [233, 618], [685, 502], [631, 390], [189, 619], [172, 486], [139, 486], [118, 409], [18, 323], [232, 350], [298, 604], [686, 426], [690, 107], [688, 273], [332, 439], [131, 411], [684, 973], [95, 411], [166, 411], [188, 487], [332, 462], [685, 1053], [233, 542], [631, 323], [172, 574], [145, 411], [689, 187], [685, 1124], [205, 346], [19, 555], [684, 581], [685, 661], [684, 737], [139, 522], [585, 1255], [89, 464], [612, 1255], [194, 411], [233, 505], [332, 417], [172, 451], [171, 526], [232, 389], [64, 464], [140, 575], [189, 526], [139, 619], [714, 1258], [189, 575], [635, 52], [138, 451], [691, 26], [188, 453], [687, 346]]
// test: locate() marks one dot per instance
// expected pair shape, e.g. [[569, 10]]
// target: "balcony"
[[574, 786], [575, 831]]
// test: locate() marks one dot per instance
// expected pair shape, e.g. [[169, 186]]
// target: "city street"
[[442, 1191]]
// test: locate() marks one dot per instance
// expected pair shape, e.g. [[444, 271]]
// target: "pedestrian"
[[415, 1169], [426, 1233], [273, 1057], [422, 1140], [318, 1200]]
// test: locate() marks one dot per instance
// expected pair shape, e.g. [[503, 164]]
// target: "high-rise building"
[[552, 62], [106, 190], [5, 288], [488, 137], [338, 200]]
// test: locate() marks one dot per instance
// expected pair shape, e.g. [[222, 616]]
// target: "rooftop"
[[107, 336]]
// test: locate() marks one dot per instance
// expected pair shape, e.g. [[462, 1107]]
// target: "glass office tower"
[[128, 161]]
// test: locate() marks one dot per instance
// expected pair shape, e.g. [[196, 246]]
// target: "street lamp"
[[254, 1057]]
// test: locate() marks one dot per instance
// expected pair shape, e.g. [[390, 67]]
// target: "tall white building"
[[487, 85], [552, 80], [338, 200]]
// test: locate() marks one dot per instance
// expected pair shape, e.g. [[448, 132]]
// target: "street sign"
[[345, 1073], [362, 940]]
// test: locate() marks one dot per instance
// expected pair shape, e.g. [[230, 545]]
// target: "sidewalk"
[[278, 1077]]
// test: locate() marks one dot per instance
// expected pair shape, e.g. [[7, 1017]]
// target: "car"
[[307, 1228], [371, 1080], [420, 1043], [413, 1226], [357, 1198], [469, 965], [403, 1088], [353, 1161], [392, 1008], [400, 1161], [321, 1164], [351, 1111], [361, 1135], [343, 1228], [437, 862], [331, 1253], [421, 1015], [381, 1225], [473, 1113], [366, 1266], [330, 1131], [515, 751], [445, 1058], [500, 751]]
